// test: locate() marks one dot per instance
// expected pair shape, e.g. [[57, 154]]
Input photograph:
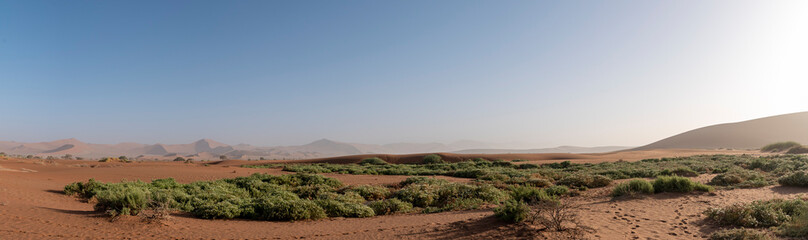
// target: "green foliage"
[[556, 190], [371, 192], [758, 213], [633, 187], [84, 190], [585, 180], [678, 184], [124, 199], [797, 179], [286, 210], [441, 196], [529, 195], [512, 211], [373, 161], [780, 146], [798, 226], [335, 208], [433, 159], [740, 178], [390, 206], [738, 234]]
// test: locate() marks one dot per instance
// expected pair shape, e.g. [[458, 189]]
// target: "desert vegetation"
[[285, 198], [788, 218]]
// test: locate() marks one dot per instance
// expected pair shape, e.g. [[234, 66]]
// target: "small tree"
[[179, 159], [68, 157], [223, 157], [123, 158]]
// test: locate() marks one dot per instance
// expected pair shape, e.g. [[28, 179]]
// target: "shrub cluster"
[[780, 147], [373, 161], [797, 179], [738, 234], [585, 180], [771, 213], [633, 187], [678, 184], [740, 178], [285, 197], [512, 211]]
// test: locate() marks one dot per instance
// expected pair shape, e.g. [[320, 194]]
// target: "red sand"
[[33, 207]]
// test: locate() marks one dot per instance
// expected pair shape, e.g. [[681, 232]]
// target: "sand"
[[33, 207]]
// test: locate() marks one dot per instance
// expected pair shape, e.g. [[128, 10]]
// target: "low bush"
[[633, 187], [780, 146], [390, 206], [758, 213], [371, 192], [529, 195], [512, 211], [738, 234], [585, 180], [84, 190], [556, 190], [739, 178], [335, 208], [373, 161], [678, 184], [443, 196], [286, 210], [122, 200], [798, 226], [433, 159], [797, 179]]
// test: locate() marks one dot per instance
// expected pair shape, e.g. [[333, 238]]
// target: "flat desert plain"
[[33, 205]]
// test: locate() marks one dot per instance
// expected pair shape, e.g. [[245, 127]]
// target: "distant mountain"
[[751, 134], [561, 149], [206, 149]]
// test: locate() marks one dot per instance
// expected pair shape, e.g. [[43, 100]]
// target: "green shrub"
[[677, 184], [798, 226], [758, 213], [443, 195], [312, 191], [682, 172], [556, 190], [780, 146], [371, 192], [739, 178], [84, 190], [335, 208], [738, 234], [633, 187], [390, 206], [419, 194], [512, 211], [529, 195], [122, 200], [225, 209], [286, 210], [423, 180], [373, 161], [585, 180], [433, 159], [797, 179]]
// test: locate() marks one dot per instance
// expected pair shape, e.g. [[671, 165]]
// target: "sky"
[[520, 73]]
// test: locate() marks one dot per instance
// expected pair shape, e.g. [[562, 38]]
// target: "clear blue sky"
[[539, 73]]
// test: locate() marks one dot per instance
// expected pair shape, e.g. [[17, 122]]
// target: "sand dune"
[[751, 134]]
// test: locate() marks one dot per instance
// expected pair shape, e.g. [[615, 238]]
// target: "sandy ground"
[[33, 207]]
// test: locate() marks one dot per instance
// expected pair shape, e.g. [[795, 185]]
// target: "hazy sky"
[[543, 73]]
